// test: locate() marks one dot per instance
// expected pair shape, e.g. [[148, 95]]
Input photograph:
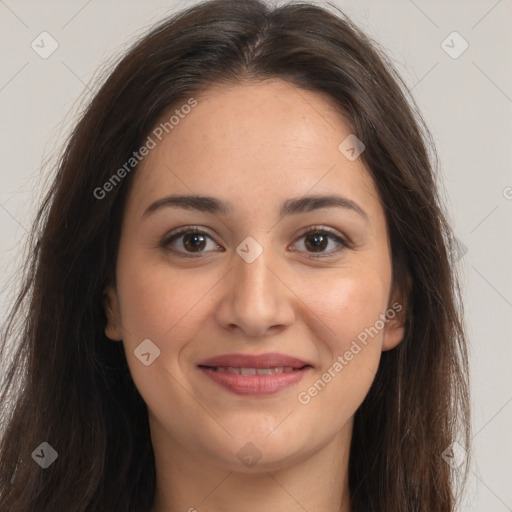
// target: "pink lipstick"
[[246, 374]]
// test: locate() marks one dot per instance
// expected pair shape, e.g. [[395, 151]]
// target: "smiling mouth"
[[255, 382], [277, 370]]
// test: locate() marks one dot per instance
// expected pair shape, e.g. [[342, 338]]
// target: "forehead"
[[252, 142]]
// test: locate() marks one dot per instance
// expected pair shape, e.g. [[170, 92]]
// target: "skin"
[[254, 144]]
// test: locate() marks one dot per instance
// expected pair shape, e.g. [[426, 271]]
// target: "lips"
[[272, 360], [247, 374]]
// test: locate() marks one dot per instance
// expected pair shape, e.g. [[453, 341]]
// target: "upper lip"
[[271, 360]]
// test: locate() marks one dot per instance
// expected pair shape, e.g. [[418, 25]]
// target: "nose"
[[256, 299]]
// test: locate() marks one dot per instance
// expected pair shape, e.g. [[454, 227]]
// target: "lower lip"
[[255, 385]]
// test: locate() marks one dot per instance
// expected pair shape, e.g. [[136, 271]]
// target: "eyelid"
[[188, 229], [178, 232], [324, 229], [339, 238]]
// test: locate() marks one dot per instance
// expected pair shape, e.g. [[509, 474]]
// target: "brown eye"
[[194, 242], [188, 242], [318, 240]]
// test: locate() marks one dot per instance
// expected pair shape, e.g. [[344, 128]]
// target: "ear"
[[113, 329], [394, 329]]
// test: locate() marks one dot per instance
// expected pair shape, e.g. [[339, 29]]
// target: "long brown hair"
[[69, 386]]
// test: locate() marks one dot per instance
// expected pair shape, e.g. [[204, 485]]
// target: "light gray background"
[[466, 102]]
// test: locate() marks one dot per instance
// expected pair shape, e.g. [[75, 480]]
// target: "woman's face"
[[250, 282]]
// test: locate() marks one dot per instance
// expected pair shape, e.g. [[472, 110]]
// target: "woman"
[[241, 292]]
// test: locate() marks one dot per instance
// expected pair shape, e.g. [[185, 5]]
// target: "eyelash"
[[198, 231]]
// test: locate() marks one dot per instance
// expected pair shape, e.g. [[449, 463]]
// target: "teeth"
[[255, 371], [264, 371]]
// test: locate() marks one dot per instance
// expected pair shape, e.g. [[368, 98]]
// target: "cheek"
[[347, 316], [164, 306], [156, 301], [345, 306], [345, 310]]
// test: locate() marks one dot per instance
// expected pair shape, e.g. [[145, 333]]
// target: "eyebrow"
[[216, 206]]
